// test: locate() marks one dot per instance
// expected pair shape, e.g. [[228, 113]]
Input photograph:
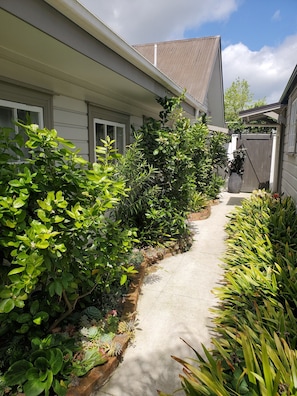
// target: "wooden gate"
[[258, 160]]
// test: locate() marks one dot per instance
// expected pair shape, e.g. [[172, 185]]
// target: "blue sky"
[[259, 37], [256, 23]]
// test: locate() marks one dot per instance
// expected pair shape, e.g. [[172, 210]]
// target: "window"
[[12, 111], [22, 98], [114, 130], [105, 122], [292, 128]]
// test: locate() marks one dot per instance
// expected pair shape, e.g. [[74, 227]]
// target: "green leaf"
[[123, 279], [33, 388], [24, 329], [45, 206], [41, 364], [40, 317], [58, 288], [18, 203], [7, 305], [66, 143], [5, 293], [61, 247], [34, 307], [60, 388], [24, 318], [16, 374], [49, 380], [16, 271], [42, 245], [9, 223], [42, 215], [51, 289], [15, 183], [56, 360], [58, 219]]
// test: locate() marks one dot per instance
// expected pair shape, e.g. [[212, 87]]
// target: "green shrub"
[[61, 250], [170, 161]]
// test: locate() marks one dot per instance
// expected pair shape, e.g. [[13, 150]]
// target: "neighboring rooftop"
[[267, 115], [190, 63]]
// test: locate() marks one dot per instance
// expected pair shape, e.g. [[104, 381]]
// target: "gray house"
[[64, 67], [283, 117]]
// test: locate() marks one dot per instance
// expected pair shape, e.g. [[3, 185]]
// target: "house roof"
[[289, 87], [76, 12], [197, 57], [268, 115], [83, 58]]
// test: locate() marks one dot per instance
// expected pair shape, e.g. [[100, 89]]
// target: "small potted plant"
[[236, 170]]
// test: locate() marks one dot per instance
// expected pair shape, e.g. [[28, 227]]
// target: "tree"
[[238, 97]]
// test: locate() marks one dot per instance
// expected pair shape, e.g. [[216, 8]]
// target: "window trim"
[[292, 133], [101, 113], [14, 91], [109, 123], [21, 106]]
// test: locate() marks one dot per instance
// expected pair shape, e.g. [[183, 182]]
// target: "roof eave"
[[292, 82], [95, 27]]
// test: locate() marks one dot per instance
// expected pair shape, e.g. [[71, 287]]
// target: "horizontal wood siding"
[[289, 166], [71, 122]]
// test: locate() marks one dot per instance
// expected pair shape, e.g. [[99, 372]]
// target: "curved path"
[[174, 304]]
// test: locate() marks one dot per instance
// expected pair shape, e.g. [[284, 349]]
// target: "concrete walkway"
[[174, 304]]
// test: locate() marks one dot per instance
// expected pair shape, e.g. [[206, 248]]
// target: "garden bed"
[[99, 375]]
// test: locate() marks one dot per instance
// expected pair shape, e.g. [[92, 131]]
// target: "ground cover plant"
[[63, 258], [254, 351]]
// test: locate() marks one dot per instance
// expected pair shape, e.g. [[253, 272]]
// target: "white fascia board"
[[78, 14], [272, 115], [215, 128]]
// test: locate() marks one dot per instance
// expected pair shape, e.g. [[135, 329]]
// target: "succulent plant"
[[90, 332], [126, 327], [92, 313]]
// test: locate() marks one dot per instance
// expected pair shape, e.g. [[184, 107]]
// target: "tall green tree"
[[239, 97]]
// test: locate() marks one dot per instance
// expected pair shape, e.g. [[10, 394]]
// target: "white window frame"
[[292, 128], [113, 124], [15, 106]]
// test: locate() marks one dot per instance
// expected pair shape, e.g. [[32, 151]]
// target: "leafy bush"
[[170, 161], [60, 248], [255, 348]]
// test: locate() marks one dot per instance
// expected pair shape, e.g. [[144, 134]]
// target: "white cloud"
[[267, 71], [148, 21], [276, 16]]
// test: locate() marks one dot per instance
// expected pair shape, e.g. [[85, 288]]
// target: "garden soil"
[[174, 305]]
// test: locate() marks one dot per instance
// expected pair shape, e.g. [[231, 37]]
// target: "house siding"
[[289, 164], [71, 122]]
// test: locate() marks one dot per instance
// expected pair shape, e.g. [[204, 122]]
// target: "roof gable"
[[197, 57], [289, 87]]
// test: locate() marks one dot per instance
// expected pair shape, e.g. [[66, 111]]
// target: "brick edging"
[[100, 374]]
